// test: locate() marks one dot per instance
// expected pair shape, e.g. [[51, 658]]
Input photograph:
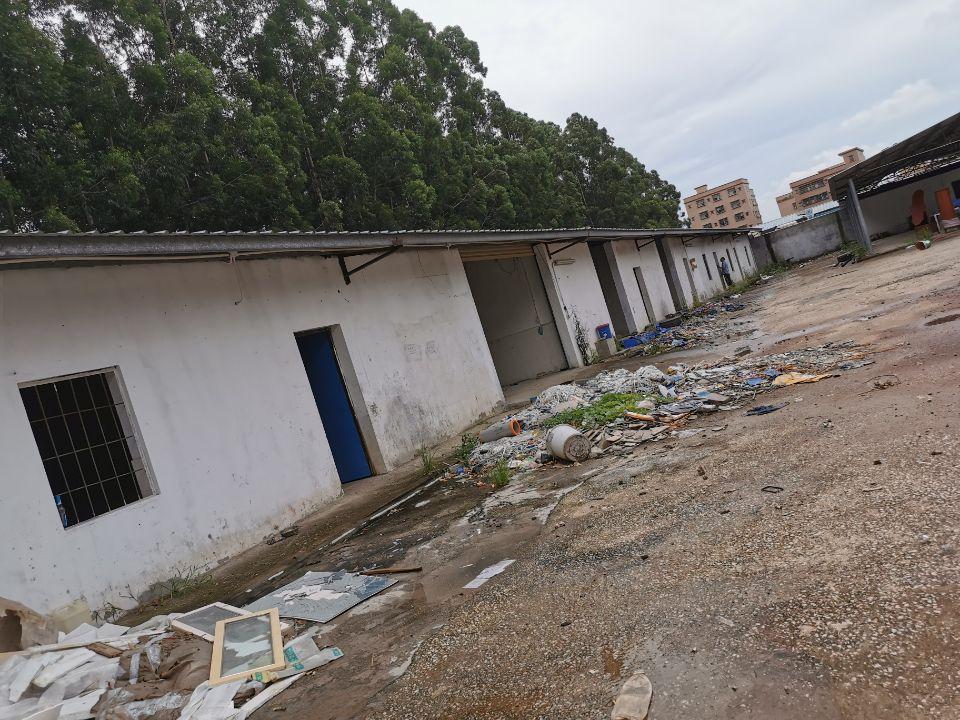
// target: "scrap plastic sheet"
[[321, 596]]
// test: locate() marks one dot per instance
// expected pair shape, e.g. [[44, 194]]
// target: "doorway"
[[333, 403], [516, 317]]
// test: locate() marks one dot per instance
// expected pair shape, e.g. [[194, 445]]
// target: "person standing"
[[725, 272]]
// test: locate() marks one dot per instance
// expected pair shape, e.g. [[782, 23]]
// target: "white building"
[[168, 399]]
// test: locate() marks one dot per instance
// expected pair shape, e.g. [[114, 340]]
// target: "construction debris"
[[616, 411], [633, 703], [321, 596]]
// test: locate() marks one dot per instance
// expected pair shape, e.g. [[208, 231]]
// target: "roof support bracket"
[[551, 253], [347, 273]]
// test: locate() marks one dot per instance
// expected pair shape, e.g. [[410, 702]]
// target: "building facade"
[[731, 205], [168, 400], [815, 189]]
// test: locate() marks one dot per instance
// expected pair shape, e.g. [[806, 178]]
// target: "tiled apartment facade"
[[731, 205]]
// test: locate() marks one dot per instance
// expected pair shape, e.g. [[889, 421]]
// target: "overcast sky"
[[705, 92]]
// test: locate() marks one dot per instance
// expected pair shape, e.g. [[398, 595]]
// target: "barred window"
[[85, 434]]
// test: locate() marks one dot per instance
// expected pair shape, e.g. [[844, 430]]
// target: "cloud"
[[907, 100]]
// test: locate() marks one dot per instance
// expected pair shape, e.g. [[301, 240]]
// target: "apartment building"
[[731, 205], [815, 189]]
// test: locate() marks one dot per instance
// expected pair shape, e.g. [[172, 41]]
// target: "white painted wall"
[[889, 212], [648, 260], [576, 289], [709, 285], [217, 386]]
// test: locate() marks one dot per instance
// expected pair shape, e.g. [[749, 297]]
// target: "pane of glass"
[[61, 438], [65, 393], [246, 645], [82, 505], [98, 389], [49, 400], [58, 484], [44, 443], [71, 471], [31, 402], [118, 452], [87, 468], [92, 427], [101, 456], [99, 499], [130, 487], [82, 393], [108, 423], [114, 495], [75, 426]]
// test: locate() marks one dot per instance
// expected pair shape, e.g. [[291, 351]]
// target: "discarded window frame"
[[245, 646], [203, 621]]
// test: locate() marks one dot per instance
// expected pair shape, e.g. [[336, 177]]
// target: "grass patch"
[[429, 462], [467, 445], [854, 248], [605, 410], [499, 474]]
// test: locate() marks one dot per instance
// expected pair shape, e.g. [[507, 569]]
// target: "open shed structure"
[[876, 194]]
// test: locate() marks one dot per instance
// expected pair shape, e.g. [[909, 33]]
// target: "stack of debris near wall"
[[619, 410], [216, 662], [695, 328]]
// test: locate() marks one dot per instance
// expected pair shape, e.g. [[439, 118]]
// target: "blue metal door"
[[330, 394]]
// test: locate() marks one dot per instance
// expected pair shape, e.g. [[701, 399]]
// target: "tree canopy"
[[284, 114]]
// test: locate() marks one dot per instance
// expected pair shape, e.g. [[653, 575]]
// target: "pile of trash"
[[218, 662], [670, 400], [692, 329]]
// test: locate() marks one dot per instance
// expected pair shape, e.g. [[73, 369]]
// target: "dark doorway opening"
[[333, 403]]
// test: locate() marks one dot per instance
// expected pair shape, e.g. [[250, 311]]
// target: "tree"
[[284, 114]]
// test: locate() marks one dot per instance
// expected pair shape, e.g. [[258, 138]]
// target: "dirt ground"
[[835, 598]]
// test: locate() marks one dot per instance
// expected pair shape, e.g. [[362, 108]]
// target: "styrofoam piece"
[[488, 573], [91, 675], [212, 702], [79, 708], [67, 661], [25, 673]]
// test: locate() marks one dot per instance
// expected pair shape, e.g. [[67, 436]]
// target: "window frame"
[[141, 467]]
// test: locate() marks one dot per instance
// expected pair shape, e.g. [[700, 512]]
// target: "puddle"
[[944, 319]]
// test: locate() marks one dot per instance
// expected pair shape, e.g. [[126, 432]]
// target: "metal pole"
[[858, 216]]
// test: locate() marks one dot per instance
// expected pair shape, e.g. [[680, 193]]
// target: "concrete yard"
[[835, 598]]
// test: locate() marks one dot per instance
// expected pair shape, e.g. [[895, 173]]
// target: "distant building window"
[[739, 216], [716, 197], [720, 209], [84, 432], [731, 192], [735, 204], [724, 222], [701, 202], [704, 215], [708, 225]]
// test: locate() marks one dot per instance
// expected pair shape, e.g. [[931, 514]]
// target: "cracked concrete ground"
[[835, 598]]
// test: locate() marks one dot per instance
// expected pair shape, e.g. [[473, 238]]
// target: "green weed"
[[499, 474], [429, 462], [467, 445], [602, 412]]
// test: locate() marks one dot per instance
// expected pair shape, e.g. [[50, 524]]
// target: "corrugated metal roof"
[[120, 246]]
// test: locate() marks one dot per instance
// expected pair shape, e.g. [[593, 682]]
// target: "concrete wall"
[[516, 317], [889, 212], [218, 389], [807, 239], [575, 294], [628, 257], [758, 246]]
